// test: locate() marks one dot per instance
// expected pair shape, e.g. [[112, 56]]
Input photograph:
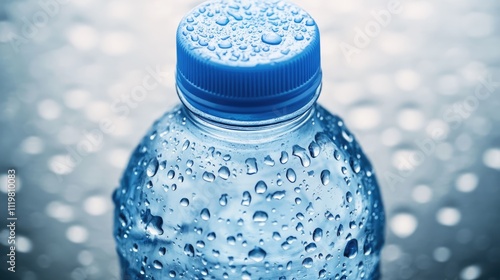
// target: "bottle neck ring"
[[274, 117]]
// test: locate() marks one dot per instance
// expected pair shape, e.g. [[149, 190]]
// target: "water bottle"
[[248, 178]]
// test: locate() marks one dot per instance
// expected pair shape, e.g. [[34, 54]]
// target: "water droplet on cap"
[[222, 21], [225, 45], [271, 38]]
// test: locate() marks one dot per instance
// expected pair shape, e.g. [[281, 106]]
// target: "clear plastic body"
[[292, 200]]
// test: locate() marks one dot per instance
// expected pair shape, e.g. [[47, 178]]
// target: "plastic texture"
[[298, 200], [248, 60]]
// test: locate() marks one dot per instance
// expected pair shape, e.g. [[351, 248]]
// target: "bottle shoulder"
[[319, 146]]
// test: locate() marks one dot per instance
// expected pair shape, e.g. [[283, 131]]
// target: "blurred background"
[[418, 82]]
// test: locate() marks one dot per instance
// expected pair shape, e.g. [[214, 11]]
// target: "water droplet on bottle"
[[162, 251], [307, 262], [367, 247], [208, 176], [268, 161], [271, 38], [340, 230], [351, 249], [189, 250], [189, 28], [356, 167], [185, 145], [171, 174], [300, 152], [205, 214], [311, 247], [247, 199], [348, 197], [343, 170], [245, 275], [222, 21], [257, 254], [211, 236], [284, 157], [251, 166], [231, 240], [298, 19], [322, 273], [336, 155], [299, 227], [325, 177], [260, 216], [276, 236], [184, 202], [172, 274], [163, 165], [223, 200], [347, 136], [314, 149], [260, 187], [310, 22], [224, 172], [317, 234], [310, 209], [157, 264], [152, 167], [278, 195], [352, 225], [290, 175], [153, 223]]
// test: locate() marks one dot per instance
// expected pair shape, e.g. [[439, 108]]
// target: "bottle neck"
[[251, 133], [276, 116]]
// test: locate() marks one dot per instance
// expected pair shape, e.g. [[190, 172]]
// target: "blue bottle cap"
[[248, 61]]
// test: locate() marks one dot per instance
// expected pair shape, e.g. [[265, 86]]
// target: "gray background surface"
[[431, 70]]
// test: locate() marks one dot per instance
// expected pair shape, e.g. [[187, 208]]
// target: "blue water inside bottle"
[[249, 178]]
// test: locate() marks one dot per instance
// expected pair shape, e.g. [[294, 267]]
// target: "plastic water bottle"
[[249, 178]]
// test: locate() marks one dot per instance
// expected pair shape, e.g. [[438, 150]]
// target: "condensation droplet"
[[208, 176], [260, 187], [247, 199], [351, 249], [317, 234], [251, 166], [300, 152], [152, 167], [290, 175], [271, 38], [260, 216], [325, 177], [307, 262], [224, 172], [257, 254], [189, 250], [205, 214]]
